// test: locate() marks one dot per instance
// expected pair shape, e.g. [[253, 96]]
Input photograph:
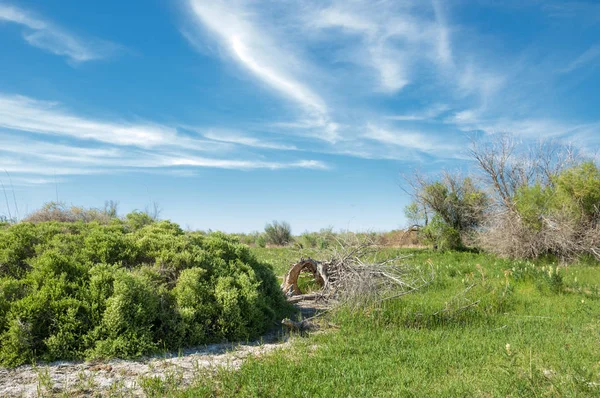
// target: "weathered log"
[[352, 275], [302, 326], [303, 297], [290, 280]]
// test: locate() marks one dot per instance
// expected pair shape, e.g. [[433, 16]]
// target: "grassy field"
[[485, 327]]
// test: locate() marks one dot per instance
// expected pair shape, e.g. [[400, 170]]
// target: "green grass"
[[534, 332], [281, 258]]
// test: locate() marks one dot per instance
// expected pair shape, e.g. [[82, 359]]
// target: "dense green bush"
[[441, 235], [260, 241], [579, 187], [560, 218], [278, 233], [574, 195], [129, 288], [321, 240], [458, 207]]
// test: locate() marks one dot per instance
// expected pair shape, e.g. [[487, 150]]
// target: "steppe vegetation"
[[525, 202], [512, 308], [485, 327], [125, 288]]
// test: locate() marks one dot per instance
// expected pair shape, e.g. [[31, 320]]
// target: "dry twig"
[[353, 275]]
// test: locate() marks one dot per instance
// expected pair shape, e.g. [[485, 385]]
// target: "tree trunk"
[[290, 280]]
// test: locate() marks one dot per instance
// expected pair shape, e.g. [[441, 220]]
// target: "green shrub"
[[261, 241], [138, 219], [533, 203], [442, 235], [278, 233], [320, 240], [60, 212], [581, 184], [129, 288], [248, 239]]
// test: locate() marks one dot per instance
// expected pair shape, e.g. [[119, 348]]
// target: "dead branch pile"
[[506, 234], [355, 273]]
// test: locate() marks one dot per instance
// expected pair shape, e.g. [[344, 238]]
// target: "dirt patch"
[[120, 377]]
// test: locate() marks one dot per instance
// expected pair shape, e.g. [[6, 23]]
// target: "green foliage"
[[575, 195], [533, 203], [459, 203], [319, 240], [278, 233], [129, 288], [138, 219], [485, 327], [260, 241], [441, 235], [415, 214], [581, 184], [248, 239]]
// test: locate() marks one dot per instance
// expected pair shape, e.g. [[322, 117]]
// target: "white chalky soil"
[[121, 376]]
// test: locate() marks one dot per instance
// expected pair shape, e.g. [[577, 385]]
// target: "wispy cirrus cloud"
[[526, 128], [394, 37], [43, 138], [393, 42], [412, 140], [246, 140], [404, 54], [45, 117], [245, 41], [50, 37], [429, 113], [589, 56]]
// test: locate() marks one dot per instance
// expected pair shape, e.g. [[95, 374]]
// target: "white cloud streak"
[[528, 128], [44, 117], [430, 113], [246, 140], [260, 54], [427, 143], [47, 36], [32, 157], [589, 56], [394, 36], [42, 138]]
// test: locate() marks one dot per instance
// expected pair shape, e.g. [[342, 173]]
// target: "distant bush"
[[559, 218], [457, 204], [5, 221], [138, 219], [320, 240], [129, 288], [526, 202], [260, 241], [60, 212], [441, 235], [278, 233], [247, 239]]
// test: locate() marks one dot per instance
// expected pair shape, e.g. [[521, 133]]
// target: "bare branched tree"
[[502, 168], [111, 208], [154, 211], [536, 190], [552, 158], [507, 165]]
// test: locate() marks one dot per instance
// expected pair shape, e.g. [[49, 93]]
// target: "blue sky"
[[233, 113]]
